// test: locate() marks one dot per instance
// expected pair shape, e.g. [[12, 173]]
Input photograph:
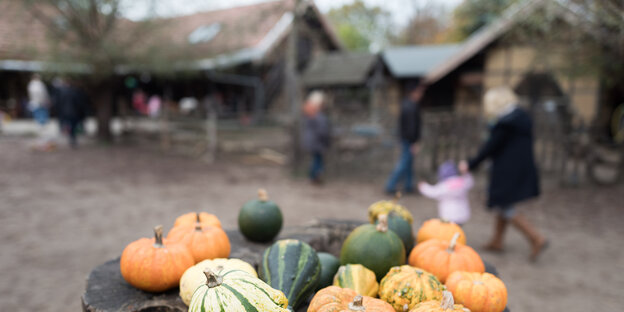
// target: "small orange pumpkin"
[[202, 217], [153, 265], [447, 304], [203, 241], [336, 299], [479, 292], [440, 229], [442, 258]]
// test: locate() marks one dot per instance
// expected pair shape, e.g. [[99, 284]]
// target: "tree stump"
[[107, 291]]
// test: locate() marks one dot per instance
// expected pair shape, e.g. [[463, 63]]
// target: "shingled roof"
[[491, 32], [417, 61], [213, 39], [339, 69]]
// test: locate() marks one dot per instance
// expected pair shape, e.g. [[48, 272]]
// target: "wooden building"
[[235, 55], [494, 56]]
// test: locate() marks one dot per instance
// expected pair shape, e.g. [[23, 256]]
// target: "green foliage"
[[471, 15], [361, 27]]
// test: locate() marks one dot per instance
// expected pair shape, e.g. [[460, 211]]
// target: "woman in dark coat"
[[513, 175]]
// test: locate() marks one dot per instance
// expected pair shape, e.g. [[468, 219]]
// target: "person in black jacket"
[[409, 134], [71, 108], [513, 175]]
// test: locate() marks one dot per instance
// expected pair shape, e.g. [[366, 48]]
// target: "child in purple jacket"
[[451, 192]]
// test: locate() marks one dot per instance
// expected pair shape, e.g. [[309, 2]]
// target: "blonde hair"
[[498, 100], [316, 98]]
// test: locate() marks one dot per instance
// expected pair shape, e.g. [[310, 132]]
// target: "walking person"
[[71, 109], [513, 175], [409, 135], [316, 134], [451, 192], [39, 104]]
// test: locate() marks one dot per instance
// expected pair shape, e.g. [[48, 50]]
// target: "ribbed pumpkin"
[[260, 220], [373, 247], [293, 267], [236, 291], [442, 258], [440, 229], [195, 277], [445, 305], [192, 217], [479, 292], [405, 286], [358, 278], [401, 228], [336, 299], [329, 267], [387, 206], [154, 265], [203, 241]]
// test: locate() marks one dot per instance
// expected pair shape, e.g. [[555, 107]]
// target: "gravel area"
[[64, 212]]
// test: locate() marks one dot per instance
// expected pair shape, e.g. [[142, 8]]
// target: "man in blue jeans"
[[409, 133]]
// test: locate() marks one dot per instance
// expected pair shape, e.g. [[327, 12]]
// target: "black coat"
[[409, 121], [513, 176]]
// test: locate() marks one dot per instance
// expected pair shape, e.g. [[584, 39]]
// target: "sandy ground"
[[62, 213]]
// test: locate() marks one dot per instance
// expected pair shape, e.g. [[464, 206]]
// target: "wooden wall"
[[509, 65]]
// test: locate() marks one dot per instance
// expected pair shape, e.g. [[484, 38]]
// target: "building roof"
[[417, 61], [339, 69], [218, 38], [21, 36], [491, 32]]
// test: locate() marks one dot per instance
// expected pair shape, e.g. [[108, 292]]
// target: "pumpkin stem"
[[212, 280], [382, 226], [447, 300], [397, 196], [263, 195], [197, 222], [451, 247], [357, 304], [158, 236]]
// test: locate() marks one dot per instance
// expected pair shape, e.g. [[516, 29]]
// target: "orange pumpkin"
[[479, 292], [442, 258], [336, 299], [440, 229], [153, 265], [445, 305], [203, 241], [203, 217]]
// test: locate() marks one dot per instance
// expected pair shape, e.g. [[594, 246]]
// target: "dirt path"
[[63, 213]]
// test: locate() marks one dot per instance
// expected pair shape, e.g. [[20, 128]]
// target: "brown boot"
[[496, 244], [538, 242]]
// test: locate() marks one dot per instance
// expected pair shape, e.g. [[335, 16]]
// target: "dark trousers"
[[316, 168], [70, 126], [403, 170]]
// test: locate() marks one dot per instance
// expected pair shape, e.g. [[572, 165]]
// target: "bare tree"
[[93, 35], [428, 23]]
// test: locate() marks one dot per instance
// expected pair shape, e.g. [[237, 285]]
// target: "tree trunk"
[[102, 97]]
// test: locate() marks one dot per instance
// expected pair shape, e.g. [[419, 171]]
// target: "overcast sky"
[[400, 9]]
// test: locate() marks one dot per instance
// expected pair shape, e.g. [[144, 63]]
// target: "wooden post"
[[292, 88], [211, 132]]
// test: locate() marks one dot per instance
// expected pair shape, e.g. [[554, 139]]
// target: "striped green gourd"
[[293, 267], [234, 290]]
